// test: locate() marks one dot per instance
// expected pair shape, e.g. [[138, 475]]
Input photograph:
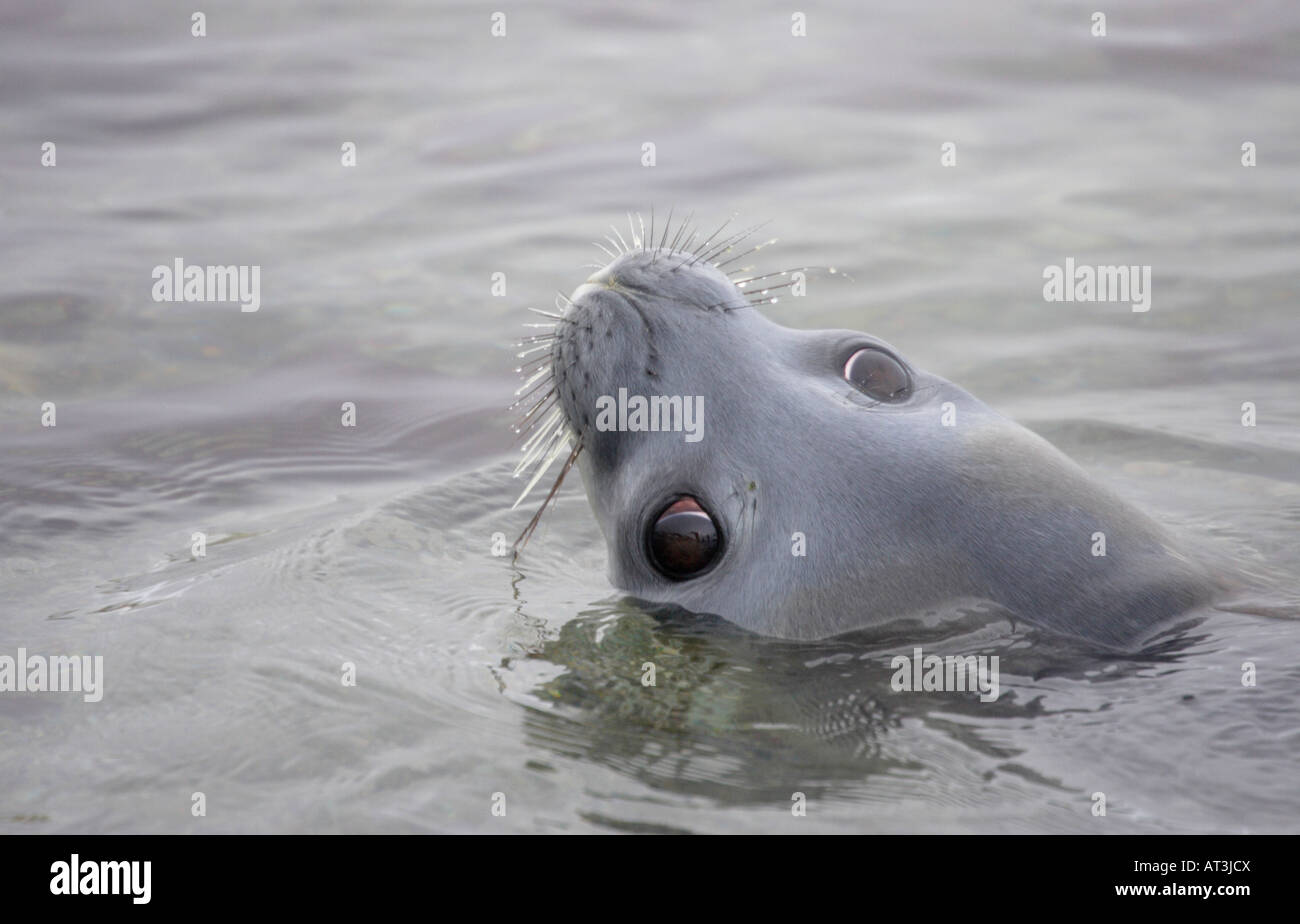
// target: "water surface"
[[372, 545]]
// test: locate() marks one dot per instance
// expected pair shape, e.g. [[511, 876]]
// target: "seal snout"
[[624, 322]]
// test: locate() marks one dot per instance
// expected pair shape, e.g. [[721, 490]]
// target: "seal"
[[832, 485]]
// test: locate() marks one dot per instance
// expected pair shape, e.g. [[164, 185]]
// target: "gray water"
[[372, 545]]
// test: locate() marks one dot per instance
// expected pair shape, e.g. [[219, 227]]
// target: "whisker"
[[537, 517], [539, 442], [719, 249], [687, 252], [784, 272], [524, 399], [521, 424], [766, 289], [541, 407], [626, 249], [754, 249], [532, 363], [680, 231], [521, 395], [667, 225], [535, 376], [709, 239], [723, 245]]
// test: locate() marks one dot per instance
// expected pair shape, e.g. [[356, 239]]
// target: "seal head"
[[826, 483]]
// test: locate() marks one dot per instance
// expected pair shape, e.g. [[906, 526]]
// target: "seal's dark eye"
[[684, 540], [878, 375]]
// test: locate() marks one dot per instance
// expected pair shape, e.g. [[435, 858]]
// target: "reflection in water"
[[745, 719]]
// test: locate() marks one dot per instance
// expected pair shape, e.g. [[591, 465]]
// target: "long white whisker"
[[558, 451]]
